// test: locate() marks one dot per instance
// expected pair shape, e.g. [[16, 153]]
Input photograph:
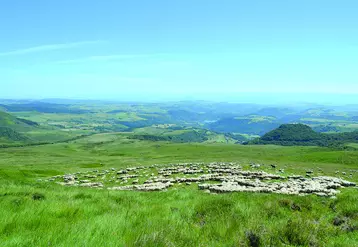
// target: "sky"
[[190, 49]]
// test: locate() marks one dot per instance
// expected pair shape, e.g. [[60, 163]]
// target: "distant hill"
[[256, 125], [188, 116], [10, 135], [276, 112], [303, 135], [43, 107], [182, 136], [13, 129], [17, 124], [178, 134], [291, 133]]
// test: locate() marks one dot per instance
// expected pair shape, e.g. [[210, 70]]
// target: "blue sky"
[[173, 49]]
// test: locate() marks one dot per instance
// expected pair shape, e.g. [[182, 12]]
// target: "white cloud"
[[50, 47], [111, 58]]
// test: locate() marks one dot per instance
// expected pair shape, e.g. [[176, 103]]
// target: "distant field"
[[107, 147], [256, 119], [128, 116], [353, 145]]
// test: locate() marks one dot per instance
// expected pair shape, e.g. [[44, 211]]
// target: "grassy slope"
[[8, 135], [28, 130], [10, 121], [184, 217], [303, 135], [11, 128], [253, 125], [184, 135]]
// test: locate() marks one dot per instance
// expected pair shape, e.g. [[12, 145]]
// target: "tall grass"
[[42, 214]]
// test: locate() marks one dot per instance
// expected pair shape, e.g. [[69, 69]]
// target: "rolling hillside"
[[12, 128], [10, 135], [303, 135], [17, 124], [184, 135], [254, 125]]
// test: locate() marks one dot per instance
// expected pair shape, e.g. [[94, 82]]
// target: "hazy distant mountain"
[[42, 107]]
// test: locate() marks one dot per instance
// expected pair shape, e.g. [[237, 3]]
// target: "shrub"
[[253, 239], [38, 197], [82, 196]]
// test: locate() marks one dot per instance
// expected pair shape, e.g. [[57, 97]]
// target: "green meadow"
[[34, 212]]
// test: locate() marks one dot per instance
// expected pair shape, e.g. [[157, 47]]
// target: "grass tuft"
[[253, 239], [38, 197]]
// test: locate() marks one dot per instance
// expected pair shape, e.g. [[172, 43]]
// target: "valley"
[[79, 187], [144, 178]]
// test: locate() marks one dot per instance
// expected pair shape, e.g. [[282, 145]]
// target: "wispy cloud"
[[111, 58], [50, 47]]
